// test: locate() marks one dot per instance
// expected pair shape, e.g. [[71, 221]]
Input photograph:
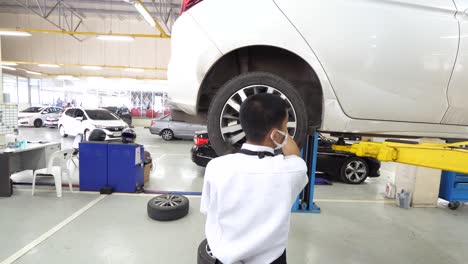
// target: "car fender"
[[228, 37]]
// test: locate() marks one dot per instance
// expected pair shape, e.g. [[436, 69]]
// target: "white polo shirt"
[[248, 204]]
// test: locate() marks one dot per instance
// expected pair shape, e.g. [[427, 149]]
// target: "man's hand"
[[291, 148]]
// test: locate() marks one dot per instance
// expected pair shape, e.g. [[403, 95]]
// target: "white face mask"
[[285, 141]]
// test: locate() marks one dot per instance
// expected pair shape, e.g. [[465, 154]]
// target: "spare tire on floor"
[[168, 207], [204, 254]]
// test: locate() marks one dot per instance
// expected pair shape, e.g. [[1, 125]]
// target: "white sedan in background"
[[36, 116], [79, 120]]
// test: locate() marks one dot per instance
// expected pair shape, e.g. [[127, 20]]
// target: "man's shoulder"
[[222, 160]]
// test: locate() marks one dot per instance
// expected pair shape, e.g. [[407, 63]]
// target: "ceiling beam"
[[131, 12]]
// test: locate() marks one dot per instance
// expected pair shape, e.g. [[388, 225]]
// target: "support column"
[[2, 137]]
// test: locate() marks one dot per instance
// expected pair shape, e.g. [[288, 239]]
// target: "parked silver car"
[[168, 129]]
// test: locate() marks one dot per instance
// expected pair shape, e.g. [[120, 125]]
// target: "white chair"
[[56, 166]]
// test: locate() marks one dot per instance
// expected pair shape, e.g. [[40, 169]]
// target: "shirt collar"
[[257, 148]]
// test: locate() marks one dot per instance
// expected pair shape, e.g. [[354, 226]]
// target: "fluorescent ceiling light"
[[49, 65], [134, 70], [144, 13], [33, 73], [93, 68], [95, 78], [8, 63], [8, 68], [128, 79], [14, 33], [115, 38], [66, 77]]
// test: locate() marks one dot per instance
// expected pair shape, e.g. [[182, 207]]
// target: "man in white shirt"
[[247, 197]]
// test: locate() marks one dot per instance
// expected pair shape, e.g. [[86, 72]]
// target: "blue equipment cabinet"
[[123, 172], [93, 166], [305, 201], [454, 188]]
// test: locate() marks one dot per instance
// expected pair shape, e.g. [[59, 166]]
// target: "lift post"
[[447, 157], [305, 201]]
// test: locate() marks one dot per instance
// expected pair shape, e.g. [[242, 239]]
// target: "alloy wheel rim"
[[229, 121], [208, 251], [167, 135], [355, 171], [168, 201]]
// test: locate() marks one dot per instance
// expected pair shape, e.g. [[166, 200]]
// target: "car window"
[[79, 113], [70, 112], [166, 118], [101, 115], [57, 110], [33, 110], [46, 111], [124, 111]]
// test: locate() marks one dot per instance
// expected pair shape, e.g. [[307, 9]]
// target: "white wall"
[[61, 48]]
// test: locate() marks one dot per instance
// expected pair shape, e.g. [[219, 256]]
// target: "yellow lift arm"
[[449, 157]]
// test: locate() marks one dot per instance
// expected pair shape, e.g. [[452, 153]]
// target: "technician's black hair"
[[260, 113]]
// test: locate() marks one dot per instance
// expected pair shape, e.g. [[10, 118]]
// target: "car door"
[[45, 113], [180, 129], [78, 126], [67, 120], [196, 128], [457, 113], [385, 60]]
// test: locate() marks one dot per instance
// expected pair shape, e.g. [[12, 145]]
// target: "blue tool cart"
[[305, 200], [93, 166], [454, 188], [125, 172]]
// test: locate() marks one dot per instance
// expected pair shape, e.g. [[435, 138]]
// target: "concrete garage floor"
[[356, 224]]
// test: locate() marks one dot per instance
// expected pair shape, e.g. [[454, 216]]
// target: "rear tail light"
[[187, 4], [153, 122], [200, 141]]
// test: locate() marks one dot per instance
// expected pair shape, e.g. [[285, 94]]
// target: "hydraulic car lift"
[[447, 157], [305, 201]]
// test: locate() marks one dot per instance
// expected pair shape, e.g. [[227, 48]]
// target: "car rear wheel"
[[62, 131], [167, 134], [38, 123], [224, 128], [354, 171]]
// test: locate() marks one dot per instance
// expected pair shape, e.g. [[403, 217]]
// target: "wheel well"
[[267, 59]]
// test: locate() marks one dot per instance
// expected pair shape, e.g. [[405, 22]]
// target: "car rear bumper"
[[155, 131], [48, 123], [199, 157], [192, 56]]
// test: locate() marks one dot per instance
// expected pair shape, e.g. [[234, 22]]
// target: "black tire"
[[60, 132], [354, 171], [38, 123], [168, 207], [204, 254], [167, 135], [453, 205], [258, 82]]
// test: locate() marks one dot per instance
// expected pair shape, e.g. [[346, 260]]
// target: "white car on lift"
[[36, 115], [79, 120], [361, 67]]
